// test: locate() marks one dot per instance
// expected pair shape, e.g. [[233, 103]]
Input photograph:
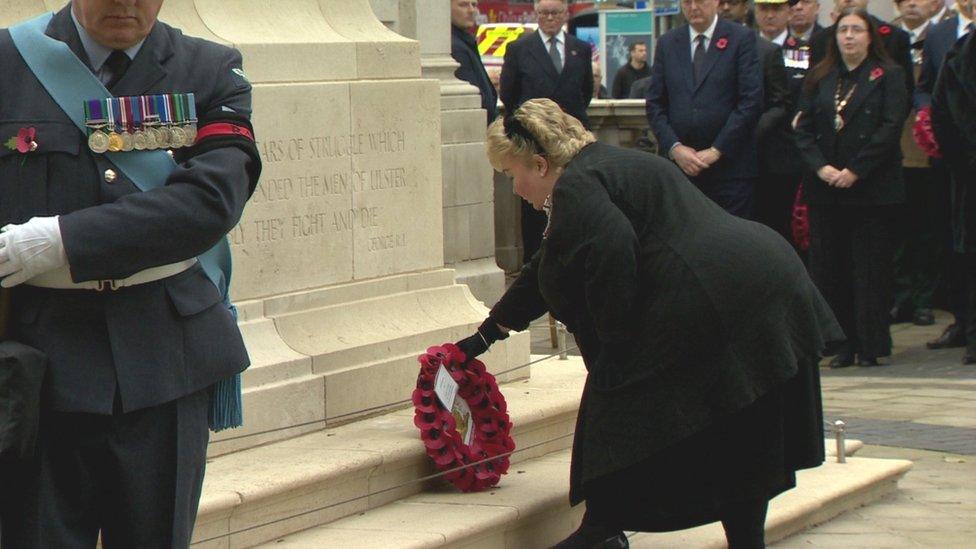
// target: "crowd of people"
[[801, 128]]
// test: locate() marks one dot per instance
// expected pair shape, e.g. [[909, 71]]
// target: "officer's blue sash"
[[70, 83]]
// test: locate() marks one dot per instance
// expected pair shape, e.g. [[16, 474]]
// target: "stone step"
[[530, 509], [270, 491]]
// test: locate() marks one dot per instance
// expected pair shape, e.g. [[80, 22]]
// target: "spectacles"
[[549, 13], [853, 29]]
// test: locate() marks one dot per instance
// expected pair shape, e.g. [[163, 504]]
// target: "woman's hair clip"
[[514, 127]]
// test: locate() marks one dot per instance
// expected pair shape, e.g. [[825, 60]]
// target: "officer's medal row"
[[797, 58], [146, 122]]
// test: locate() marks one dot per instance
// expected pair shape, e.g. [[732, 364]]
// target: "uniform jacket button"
[[110, 176]]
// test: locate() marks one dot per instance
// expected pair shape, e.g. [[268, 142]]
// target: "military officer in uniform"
[[104, 276]]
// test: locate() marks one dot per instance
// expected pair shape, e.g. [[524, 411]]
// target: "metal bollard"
[[561, 338], [839, 431]]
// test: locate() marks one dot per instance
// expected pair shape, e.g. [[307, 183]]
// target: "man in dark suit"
[[553, 64], [135, 332], [704, 102], [896, 41], [549, 63], [939, 40], [464, 50]]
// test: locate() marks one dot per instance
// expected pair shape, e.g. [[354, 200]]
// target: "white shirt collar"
[[780, 38], [560, 37], [98, 53], [915, 34], [938, 17], [963, 23], [708, 32]]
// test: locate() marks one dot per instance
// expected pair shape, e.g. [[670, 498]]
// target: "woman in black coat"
[[700, 332], [851, 115]]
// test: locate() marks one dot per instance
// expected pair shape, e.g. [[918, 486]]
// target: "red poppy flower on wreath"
[[477, 464], [884, 30], [23, 142], [923, 135], [877, 73], [722, 43]]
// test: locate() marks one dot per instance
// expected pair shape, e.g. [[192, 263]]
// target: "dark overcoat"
[[464, 50], [954, 123], [684, 314], [869, 143], [528, 73]]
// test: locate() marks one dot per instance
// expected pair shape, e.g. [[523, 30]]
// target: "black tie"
[[118, 62], [698, 59]]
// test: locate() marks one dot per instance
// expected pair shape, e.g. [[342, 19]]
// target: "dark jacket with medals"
[[154, 342], [869, 142], [464, 50], [683, 313], [954, 123]]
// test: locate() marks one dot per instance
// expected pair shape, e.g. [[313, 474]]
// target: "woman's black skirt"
[[741, 458]]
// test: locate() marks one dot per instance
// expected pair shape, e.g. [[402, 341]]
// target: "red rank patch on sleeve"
[[218, 129]]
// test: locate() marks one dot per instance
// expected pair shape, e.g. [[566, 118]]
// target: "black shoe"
[[969, 357], [953, 336], [843, 360], [923, 317]]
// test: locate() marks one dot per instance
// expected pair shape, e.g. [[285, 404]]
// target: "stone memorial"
[[339, 263]]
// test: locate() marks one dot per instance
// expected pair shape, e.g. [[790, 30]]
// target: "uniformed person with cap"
[[104, 275]]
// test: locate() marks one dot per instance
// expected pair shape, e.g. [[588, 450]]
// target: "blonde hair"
[[559, 136]]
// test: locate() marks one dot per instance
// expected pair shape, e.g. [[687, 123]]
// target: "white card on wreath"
[[445, 388]]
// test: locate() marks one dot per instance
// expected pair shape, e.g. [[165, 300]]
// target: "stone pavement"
[[921, 407]]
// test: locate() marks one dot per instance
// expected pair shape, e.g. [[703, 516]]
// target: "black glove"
[[487, 333]]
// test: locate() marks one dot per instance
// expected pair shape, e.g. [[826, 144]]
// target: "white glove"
[[30, 249]]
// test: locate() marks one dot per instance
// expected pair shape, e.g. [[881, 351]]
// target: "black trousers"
[[775, 193], [134, 477], [923, 228], [533, 225], [850, 262]]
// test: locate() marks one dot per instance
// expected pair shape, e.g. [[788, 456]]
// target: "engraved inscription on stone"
[[350, 188]]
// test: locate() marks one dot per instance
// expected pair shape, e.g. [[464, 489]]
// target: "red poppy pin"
[[877, 73], [23, 142], [884, 30], [791, 42], [722, 43]]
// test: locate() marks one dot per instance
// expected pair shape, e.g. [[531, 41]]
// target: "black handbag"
[[21, 375]]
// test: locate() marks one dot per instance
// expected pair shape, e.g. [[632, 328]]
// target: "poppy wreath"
[[923, 135], [489, 419]]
